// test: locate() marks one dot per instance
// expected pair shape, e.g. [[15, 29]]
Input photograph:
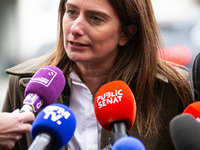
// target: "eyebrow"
[[99, 12], [91, 11], [72, 5]]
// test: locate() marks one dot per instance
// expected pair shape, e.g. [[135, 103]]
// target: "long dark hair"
[[137, 63]]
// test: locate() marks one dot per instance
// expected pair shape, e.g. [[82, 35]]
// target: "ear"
[[132, 29]]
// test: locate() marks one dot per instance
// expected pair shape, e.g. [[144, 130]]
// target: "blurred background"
[[28, 29]]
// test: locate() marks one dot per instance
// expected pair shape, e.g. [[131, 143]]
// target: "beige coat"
[[171, 106]]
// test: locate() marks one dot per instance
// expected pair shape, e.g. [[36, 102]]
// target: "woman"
[[102, 41]]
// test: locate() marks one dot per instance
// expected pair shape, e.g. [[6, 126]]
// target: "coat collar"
[[29, 67]]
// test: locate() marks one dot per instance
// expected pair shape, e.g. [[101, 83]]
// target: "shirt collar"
[[74, 79]]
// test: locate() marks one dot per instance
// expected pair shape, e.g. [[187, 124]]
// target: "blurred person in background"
[[103, 41]]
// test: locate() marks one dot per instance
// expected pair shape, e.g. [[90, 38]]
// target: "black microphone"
[[185, 132]]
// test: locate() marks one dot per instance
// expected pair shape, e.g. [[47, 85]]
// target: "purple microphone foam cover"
[[48, 83]]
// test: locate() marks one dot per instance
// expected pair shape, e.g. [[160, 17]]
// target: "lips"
[[77, 44]]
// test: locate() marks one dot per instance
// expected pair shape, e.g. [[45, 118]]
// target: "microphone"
[[128, 143], [53, 127], [115, 109], [180, 55], [185, 132], [194, 110], [43, 89]]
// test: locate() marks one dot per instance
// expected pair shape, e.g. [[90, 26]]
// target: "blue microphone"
[[53, 127], [128, 143]]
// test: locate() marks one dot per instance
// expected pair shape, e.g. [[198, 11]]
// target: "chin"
[[77, 59]]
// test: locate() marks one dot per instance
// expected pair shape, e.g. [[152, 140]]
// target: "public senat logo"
[[109, 98], [44, 76], [55, 114]]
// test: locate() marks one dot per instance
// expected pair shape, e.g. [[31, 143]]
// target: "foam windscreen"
[[185, 132], [115, 101], [57, 119], [48, 83], [194, 110], [128, 143]]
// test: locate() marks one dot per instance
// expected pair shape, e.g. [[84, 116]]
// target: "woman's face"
[[91, 31]]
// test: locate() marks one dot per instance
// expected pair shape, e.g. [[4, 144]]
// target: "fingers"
[[27, 116], [12, 125], [23, 119], [7, 141], [26, 127], [10, 136], [7, 145], [16, 122]]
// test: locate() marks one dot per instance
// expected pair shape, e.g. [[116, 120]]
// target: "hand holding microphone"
[[115, 109], [12, 125], [53, 127], [43, 89]]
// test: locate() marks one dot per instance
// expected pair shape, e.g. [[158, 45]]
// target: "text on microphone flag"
[[55, 113], [45, 77], [109, 98]]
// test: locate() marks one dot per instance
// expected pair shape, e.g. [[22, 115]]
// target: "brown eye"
[[71, 12], [96, 19]]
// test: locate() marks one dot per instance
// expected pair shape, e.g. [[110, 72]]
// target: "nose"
[[77, 28]]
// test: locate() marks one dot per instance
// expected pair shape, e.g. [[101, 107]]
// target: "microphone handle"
[[118, 130], [43, 141], [26, 108]]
